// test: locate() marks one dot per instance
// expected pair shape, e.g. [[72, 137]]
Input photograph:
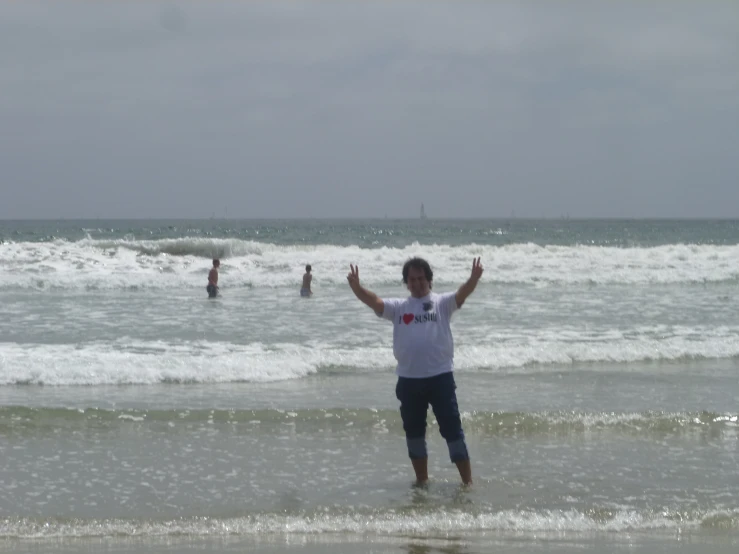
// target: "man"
[[212, 287], [307, 279], [424, 349]]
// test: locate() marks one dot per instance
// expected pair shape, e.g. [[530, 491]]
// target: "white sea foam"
[[388, 523], [121, 264], [561, 348], [147, 362], [139, 362]]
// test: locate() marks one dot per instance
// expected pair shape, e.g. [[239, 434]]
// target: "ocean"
[[596, 363]]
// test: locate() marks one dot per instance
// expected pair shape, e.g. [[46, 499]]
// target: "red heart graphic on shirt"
[[407, 318]]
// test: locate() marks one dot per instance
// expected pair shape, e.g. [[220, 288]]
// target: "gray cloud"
[[328, 109]]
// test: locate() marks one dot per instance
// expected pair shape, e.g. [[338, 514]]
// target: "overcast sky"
[[364, 109]]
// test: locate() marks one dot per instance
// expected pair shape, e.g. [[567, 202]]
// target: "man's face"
[[418, 285]]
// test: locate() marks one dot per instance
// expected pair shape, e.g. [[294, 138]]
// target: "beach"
[[596, 366]]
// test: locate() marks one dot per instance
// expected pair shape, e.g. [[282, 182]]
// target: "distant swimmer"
[[212, 287], [305, 291]]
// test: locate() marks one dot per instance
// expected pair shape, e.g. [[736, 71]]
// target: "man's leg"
[[446, 410], [421, 468], [465, 471], [413, 409]]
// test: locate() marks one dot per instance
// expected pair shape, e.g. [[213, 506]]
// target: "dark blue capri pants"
[[415, 395]]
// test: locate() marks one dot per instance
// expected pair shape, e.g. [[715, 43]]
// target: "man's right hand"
[[368, 297]]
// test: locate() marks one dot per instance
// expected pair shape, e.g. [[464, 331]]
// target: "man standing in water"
[[307, 279], [424, 349], [212, 287]]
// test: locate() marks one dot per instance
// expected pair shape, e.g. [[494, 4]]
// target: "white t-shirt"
[[422, 338]]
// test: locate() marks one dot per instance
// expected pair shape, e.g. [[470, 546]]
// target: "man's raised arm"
[[466, 289], [366, 296]]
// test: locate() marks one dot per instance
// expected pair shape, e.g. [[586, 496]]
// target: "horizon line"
[[382, 218]]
